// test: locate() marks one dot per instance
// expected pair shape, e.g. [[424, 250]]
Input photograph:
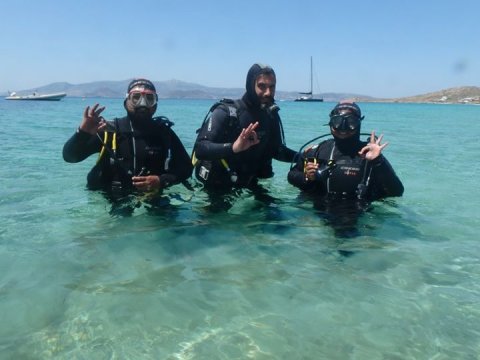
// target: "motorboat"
[[37, 96], [308, 96]]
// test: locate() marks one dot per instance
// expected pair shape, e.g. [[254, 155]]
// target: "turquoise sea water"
[[257, 282]]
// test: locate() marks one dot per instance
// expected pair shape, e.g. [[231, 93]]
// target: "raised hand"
[[373, 149], [247, 138], [92, 121]]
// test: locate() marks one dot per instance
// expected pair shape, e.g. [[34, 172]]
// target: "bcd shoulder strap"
[[121, 125], [165, 132], [164, 121], [231, 107], [109, 136]]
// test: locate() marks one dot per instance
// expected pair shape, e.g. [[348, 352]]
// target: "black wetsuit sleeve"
[[285, 154], [80, 146], [296, 177], [384, 180], [180, 167], [212, 143]]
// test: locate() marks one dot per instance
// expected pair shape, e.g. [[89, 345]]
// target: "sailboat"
[[308, 96]]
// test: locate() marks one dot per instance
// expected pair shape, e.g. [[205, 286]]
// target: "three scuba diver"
[[233, 150], [138, 153]]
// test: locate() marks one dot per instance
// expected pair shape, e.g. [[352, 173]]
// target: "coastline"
[[183, 91]]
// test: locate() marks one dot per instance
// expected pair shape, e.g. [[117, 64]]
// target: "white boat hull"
[[45, 97]]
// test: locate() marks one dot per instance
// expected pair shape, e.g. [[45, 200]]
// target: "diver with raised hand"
[[239, 138], [345, 174], [137, 152], [242, 136]]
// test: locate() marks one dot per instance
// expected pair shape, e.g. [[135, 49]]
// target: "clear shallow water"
[[260, 282]]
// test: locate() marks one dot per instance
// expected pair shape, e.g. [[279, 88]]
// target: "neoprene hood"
[[147, 84], [346, 105], [252, 75]]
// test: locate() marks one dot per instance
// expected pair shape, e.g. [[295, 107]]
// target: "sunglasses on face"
[[142, 98]]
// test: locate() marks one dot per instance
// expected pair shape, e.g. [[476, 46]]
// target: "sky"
[[376, 48]]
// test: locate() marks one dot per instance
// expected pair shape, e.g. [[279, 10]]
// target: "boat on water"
[[308, 96], [36, 96]]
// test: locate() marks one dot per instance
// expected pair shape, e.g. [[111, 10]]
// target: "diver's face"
[[141, 102], [344, 125], [265, 88]]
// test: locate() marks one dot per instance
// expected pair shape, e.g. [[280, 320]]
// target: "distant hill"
[[171, 89], [456, 95], [176, 89], [464, 95]]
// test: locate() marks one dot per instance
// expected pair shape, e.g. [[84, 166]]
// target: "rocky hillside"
[[457, 95]]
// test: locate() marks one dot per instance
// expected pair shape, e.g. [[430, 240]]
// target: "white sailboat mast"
[[311, 76]]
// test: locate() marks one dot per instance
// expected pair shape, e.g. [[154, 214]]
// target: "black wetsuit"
[[143, 148], [341, 179], [345, 184], [215, 141]]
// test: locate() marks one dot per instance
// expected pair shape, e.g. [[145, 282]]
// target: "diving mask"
[[345, 122], [146, 98]]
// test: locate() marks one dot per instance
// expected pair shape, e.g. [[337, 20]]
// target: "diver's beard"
[[266, 101], [141, 113], [340, 134], [349, 144]]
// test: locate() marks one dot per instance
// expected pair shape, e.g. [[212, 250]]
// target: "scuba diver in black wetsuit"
[[345, 174], [239, 139], [138, 153]]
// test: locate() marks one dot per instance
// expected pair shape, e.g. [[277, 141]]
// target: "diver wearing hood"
[[345, 174], [346, 167], [236, 153], [137, 152]]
